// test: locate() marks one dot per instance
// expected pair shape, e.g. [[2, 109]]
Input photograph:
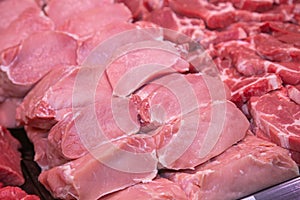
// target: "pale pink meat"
[[294, 93], [248, 166], [242, 87], [28, 22], [85, 18], [39, 53], [8, 14], [71, 180], [42, 107], [157, 189], [10, 159]]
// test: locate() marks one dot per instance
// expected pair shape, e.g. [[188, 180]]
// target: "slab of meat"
[[294, 93], [39, 53], [278, 117], [85, 18], [8, 14], [8, 112], [15, 193], [248, 166], [94, 175], [44, 106], [10, 159], [157, 189], [28, 22]]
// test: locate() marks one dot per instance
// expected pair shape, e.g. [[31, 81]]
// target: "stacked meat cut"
[[152, 99]]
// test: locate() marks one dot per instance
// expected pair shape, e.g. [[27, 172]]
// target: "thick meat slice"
[[30, 21], [10, 159], [295, 155], [251, 5], [10, 10], [94, 175], [39, 54], [44, 105], [44, 154], [85, 18], [277, 116], [250, 165], [8, 112], [157, 189], [15, 193]]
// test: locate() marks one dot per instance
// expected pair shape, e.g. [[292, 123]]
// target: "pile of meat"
[[152, 99]]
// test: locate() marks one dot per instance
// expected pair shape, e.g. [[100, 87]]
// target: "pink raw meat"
[[157, 189], [85, 18], [39, 53], [250, 165], [44, 106], [295, 155], [10, 159], [278, 117], [71, 180], [28, 22]]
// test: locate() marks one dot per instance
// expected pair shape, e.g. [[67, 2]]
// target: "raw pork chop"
[[15, 193], [10, 159], [94, 175], [30, 21], [39, 54], [278, 117], [250, 165], [157, 189], [85, 18]]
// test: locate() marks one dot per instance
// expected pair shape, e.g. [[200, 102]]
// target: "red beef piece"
[[10, 159]]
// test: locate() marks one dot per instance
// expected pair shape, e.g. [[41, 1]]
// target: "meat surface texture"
[[151, 99], [157, 189], [248, 162], [15, 193], [10, 159]]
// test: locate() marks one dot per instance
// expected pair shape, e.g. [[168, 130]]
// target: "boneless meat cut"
[[151, 99]]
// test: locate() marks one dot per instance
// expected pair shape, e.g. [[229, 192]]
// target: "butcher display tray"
[[289, 190]]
